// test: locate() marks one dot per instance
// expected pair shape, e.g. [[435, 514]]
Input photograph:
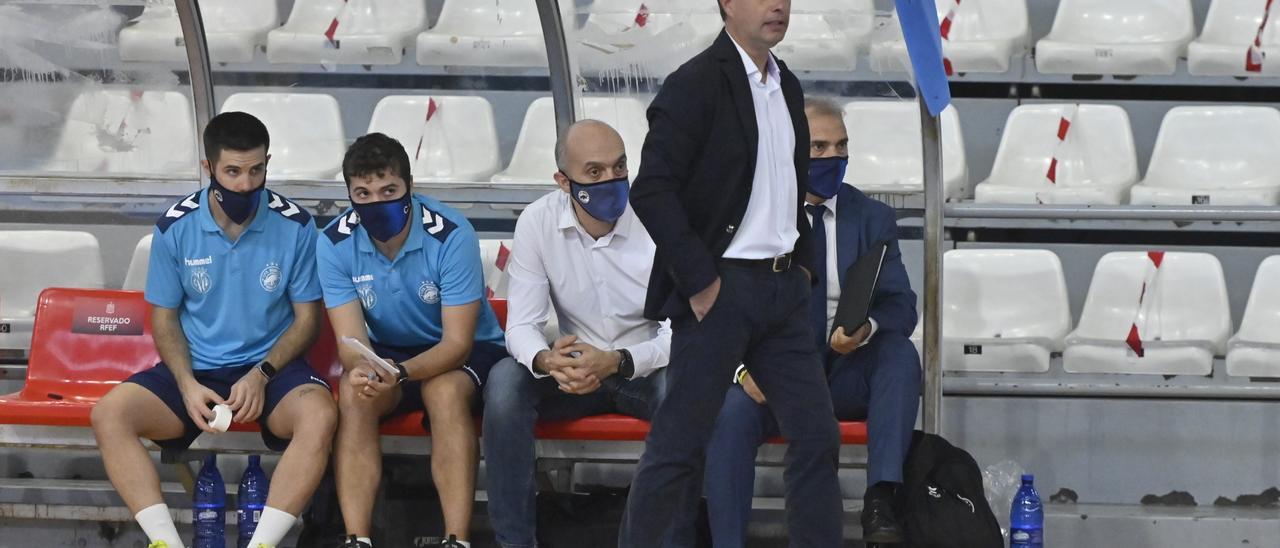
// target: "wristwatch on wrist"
[[267, 370], [402, 373], [626, 365]]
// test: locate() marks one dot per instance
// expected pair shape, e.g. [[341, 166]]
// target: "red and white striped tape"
[[642, 16], [944, 29], [1254, 57], [1149, 281], [1064, 128], [431, 113], [135, 99], [504, 255], [332, 31]]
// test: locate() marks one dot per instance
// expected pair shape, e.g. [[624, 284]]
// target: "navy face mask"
[[383, 220], [605, 201], [826, 175], [237, 205]]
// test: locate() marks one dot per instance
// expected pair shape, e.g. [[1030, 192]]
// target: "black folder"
[[858, 289]]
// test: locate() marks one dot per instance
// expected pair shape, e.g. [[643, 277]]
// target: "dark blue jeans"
[[514, 402], [879, 383], [760, 319]]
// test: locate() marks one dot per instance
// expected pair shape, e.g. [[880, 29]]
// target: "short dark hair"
[[239, 131], [373, 154], [721, 6]]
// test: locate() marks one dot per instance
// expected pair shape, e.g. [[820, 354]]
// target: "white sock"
[[157, 523], [272, 527], [365, 540]]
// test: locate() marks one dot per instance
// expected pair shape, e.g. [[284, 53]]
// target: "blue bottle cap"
[[1028, 478]]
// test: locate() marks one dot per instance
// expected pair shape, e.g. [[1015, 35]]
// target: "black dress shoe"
[[878, 522]]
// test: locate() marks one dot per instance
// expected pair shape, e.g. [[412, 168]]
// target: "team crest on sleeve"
[[437, 225], [429, 292], [200, 280], [368, 298], [269, 279], [287, 209], [177, 211]]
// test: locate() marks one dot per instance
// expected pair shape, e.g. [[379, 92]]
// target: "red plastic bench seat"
[[624, 428], [86, 341]]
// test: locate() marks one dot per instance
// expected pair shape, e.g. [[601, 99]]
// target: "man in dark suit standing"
[[724, 170], [874, 372]]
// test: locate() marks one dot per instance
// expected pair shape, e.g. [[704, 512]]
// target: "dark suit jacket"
[[862, 222], [697, 166]]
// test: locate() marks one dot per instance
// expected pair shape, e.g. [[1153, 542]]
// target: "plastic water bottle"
[[210, 507], [1026, 517], [250, 500]]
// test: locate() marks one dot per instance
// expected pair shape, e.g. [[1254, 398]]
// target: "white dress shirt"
[[768, 227], [833, 269], [597, 287]]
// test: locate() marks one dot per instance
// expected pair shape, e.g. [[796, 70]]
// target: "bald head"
[[590, 151]]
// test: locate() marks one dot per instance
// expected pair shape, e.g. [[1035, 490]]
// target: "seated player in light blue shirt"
[[235, 304], [401, 273]]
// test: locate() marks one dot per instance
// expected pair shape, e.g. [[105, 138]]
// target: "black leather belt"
[[781, 263]]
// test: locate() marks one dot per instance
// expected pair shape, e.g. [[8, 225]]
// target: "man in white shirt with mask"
[[581, 254]]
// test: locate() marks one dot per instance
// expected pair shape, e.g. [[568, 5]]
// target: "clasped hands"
[[577, 367]]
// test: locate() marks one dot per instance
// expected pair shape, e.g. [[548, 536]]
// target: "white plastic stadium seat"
[[136, 278], [507, 33], [1229, 30], [1112, 37], [650, 36], [364, 32], [1254, 351], [307, 141], [233, 30], [123, 131], [1184, 319], [39, 259], [884, 149], [984, 36], [1094, 164], [534, 158], [1005, 309], [458, 142], [1209, 155], [826, 34]]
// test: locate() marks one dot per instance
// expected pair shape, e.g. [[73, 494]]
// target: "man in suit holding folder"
[[720, 191], [874, 373]]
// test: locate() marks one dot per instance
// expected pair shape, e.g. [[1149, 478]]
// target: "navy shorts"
[[161, 382], [482, 359]]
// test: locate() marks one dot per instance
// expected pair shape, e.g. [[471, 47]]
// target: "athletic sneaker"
[[158, 544], [451, 542], [351, 542]]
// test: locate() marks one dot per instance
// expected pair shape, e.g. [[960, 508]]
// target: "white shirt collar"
[[568, 219], [753, 71], [830, 204]]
